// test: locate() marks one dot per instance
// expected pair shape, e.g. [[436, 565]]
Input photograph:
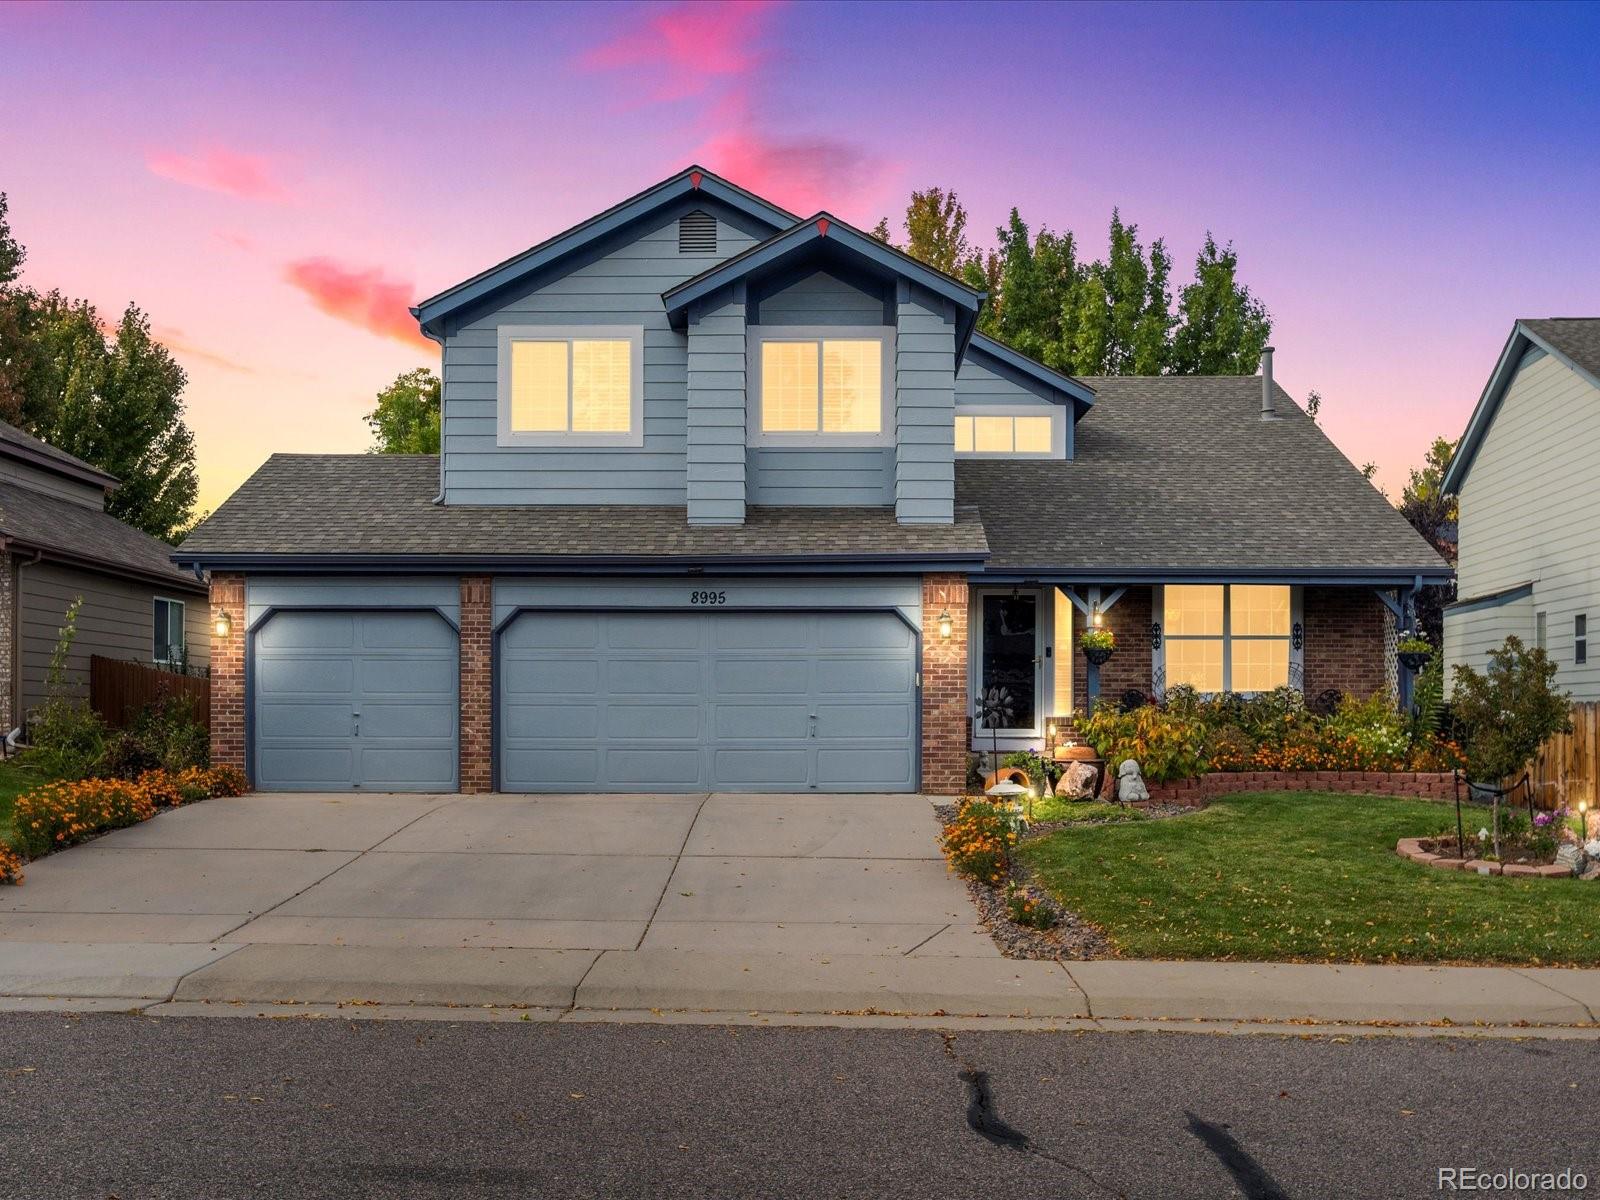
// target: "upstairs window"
[[1008, 433], [571, 387], [820, 389], [169, 647], [1227, 637]]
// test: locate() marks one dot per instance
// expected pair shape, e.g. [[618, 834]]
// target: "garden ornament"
[[1077, 781], [1130, 784]]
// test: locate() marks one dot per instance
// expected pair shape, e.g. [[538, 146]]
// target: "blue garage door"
[[355, 700], [728, 701]]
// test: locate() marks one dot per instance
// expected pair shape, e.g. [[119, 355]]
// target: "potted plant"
[[1097, 645], [1414, 651]]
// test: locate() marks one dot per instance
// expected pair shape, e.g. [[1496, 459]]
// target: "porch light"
[[224, 624], [1097, 618], [946, 624]]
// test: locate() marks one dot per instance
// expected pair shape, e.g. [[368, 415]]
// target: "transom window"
[[1029, 435], [169, 646], [571, 386], [819, 388], [1227, 637]]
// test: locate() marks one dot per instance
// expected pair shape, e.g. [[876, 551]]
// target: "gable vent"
[[697, 233]]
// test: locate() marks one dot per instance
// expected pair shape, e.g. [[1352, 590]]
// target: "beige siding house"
[[57, 544], [1527, 476]]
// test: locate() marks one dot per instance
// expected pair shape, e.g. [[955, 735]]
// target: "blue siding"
[[821, 299], [924, 471], [716, 420], [978, 385], [852, 477], [623, 287]]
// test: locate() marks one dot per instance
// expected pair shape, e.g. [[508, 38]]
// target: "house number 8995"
[[708, 597]]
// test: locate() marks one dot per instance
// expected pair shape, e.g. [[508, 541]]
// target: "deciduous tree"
[[406, 419]]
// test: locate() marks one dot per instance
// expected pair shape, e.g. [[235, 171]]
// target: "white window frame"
[[183, 628], [510, 334], [1296, 617], [757, 335], [1058, 428]]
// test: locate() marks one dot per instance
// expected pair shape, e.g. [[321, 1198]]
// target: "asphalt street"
[[165, 1108]]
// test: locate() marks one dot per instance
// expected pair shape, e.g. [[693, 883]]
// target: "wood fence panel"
[[119, 689], [1567, 767]]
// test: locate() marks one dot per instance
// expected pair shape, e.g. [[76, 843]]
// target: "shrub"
[[978, 842], [1230, 749], [1508, 711], [1042, 772], [10, 866], [1165, 744], [60, 814], [166, 734], [67, 736], [1030, 911], [226, 781], [1371, 732]]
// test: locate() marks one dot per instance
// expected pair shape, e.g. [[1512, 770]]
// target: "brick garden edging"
[[1429, 785], [1412, 848]]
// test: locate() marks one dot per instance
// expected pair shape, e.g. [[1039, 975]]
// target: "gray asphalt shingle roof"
[[37, 448], [1576, 337], [381, 504], [44, 522], [1182, 472]]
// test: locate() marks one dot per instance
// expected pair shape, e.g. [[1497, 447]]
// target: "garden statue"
[[1130, 784], [1078, 780]]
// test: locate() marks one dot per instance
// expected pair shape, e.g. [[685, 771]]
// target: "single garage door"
[[347, 700], [716, 701]]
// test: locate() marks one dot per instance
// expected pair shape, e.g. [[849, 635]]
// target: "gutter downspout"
[[433, 337]]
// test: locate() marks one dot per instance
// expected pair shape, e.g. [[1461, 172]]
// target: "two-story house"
[[1525, 480], [730, 500]]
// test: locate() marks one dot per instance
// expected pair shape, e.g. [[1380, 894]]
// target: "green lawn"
[[1310, 877], [14, 780], [1055, 808]]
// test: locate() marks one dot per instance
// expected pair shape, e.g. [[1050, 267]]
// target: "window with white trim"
[[1227, 637], [1010, 433], [571, 386], [169, 646], [821, 387]]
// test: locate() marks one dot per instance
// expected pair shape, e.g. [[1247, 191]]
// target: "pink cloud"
[[689, 46], [175, 341], [803, 174], [361, 297], [216, 169]]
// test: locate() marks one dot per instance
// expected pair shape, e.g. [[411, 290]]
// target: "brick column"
[[227, 673], [1346, 644], [945, 724], [477, 683]]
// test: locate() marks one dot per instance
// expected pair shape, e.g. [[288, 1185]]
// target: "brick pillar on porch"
[[477, 683], [227, 673], [944, 686], [1345, 649]]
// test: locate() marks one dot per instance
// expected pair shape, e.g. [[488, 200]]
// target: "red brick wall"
[[1344, 647], [227, 674], [477, 684], [945, 724], [1129, 620]]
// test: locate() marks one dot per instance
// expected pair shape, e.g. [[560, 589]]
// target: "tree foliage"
[[1509, 710], [1432, 513], [1109, 316], [111, 395], [406, 419]]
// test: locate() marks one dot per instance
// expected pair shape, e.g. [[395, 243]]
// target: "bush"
[[1379, 735], [1166, 745], [67, 736], [1042, 772], [10, 866], [225, 781], [60, 814], [1030, 911], [165, 735], [1509, 711], [1230, 749], [978, 842]]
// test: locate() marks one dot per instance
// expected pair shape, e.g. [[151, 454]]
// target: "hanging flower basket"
[[1414, 660], [1098, 645]]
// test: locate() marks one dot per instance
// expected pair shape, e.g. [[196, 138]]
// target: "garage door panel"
[[412, 632], [414, 766], [279, 719], [407, 720], [307, 631], [301, 676], [307, 767], [434, 677], [713, 700]]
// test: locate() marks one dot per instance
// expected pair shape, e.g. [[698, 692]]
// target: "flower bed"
[[1441, 853], [1429, 785]]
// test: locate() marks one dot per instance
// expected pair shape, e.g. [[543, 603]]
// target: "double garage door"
[[593, 701]]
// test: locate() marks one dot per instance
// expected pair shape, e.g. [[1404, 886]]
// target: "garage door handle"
[[355, 718], [813, 720]]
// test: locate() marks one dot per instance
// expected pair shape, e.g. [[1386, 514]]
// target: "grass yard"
[[15, 779], [1056, 808], [1307, 877]]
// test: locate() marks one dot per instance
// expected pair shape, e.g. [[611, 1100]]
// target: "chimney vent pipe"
[[1268, 413]]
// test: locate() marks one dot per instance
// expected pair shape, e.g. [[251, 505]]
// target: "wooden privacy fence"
[[1567, 767], [119, 689]]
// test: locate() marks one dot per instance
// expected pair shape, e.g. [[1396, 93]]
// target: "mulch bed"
[[1072, 937]]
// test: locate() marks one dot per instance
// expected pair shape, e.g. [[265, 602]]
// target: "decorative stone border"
[[1427, 785], [1412, 848]]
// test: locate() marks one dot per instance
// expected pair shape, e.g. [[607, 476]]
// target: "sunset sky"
[[274, 185]]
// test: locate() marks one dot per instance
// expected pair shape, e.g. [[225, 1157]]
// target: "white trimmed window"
[[996, 432], [821, 387], [571, 386], [169, 645], [1234, 637]]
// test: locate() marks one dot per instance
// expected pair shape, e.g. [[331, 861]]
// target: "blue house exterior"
[[732, 500]]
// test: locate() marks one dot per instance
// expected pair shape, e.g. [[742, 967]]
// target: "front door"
[[1009, 658]]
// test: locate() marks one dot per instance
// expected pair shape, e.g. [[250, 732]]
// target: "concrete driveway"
[[847, 875]]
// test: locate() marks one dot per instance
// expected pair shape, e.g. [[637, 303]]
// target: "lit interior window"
[[576, 386], [963, 435], [825, 385], [1033, 434], [852, 387], [539, 387], [1227, 638], [990, 433]]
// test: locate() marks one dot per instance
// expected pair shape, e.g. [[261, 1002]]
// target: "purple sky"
[[273, 185]]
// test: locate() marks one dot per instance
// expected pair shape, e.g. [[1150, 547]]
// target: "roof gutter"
[[1331, 576], [101, 565], [551, 564]]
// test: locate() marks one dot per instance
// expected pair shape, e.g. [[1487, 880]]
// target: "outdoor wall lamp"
[[224, 624], [1097, 618], [946, 624]]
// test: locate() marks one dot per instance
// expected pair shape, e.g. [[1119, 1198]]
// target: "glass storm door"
[[1010, 658]]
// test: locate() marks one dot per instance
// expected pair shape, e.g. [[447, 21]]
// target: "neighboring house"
[[59, 544], [734, 501], [1528, 484]]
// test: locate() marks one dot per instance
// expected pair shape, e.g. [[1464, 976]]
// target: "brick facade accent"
[[1345, 641], [477, 683], [227, 673], [945, 723], [1130, 666]]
